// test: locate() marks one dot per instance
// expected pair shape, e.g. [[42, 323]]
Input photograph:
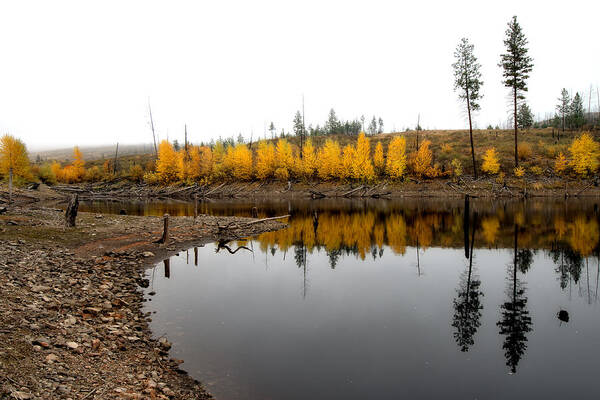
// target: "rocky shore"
[[72, 325]]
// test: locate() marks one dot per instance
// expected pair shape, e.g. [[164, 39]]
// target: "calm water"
[[390, 300]]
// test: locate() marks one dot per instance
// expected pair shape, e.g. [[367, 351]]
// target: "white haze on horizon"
[[81, 72]]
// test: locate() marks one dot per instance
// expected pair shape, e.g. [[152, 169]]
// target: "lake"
[[387, 300]]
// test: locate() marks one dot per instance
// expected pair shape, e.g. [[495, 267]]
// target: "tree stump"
[[71, 213], [165, 235]]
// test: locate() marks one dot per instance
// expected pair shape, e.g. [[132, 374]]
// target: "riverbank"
[[487, 187], [72, 323]]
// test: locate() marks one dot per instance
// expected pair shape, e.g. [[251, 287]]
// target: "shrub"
[[536, 170], [524, 151], [490, 165], [560, 164], [584, 154], [456, 167], [519, 172]]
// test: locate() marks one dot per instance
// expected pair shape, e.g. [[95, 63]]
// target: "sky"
[[82, 72]]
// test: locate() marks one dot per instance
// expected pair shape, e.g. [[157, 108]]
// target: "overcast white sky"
[[81, 72]]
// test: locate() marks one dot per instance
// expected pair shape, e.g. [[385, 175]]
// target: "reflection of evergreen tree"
[[300, 255], [334, 256], [524, 260], [467, 311], [467, 304], [569, 264], [515, 321]]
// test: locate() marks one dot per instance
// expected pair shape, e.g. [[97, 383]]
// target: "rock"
[[95, 344], [43, 342], [50, 358], [148, 254], [64, 389], [164, 344], [72, 345]]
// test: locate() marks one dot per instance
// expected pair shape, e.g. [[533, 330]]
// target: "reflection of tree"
[[334, 256], [569, 264], [467, 304], [515, 321]]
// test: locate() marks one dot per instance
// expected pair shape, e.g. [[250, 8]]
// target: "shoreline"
[[71, 304], [485, 187]]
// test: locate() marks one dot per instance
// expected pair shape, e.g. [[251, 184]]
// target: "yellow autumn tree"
[[584, 154], [204, 162], [560, 164], [308, 163], [284, 160], [362, 167], [184, 164], [329, 159], [423, 159], [238, 162], [167, 165], [265, 160], [378, 160], [396, 158], [348, 158], [218, 156], [78, 163], [14, 161], [490, 165]]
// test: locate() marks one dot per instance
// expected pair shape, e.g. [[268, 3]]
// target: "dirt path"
[[71, 319]]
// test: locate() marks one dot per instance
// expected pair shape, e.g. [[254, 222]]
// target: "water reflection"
[[378, 296]]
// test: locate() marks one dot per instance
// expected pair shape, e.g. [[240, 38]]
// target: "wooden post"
[[71, 213], [254, 212], [196, 256], [165, 236]]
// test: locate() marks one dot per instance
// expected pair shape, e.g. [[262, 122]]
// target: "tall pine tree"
[[563, 106], [467, 80], [516, 65]]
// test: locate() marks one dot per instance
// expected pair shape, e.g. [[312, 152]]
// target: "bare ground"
[[71, 319]]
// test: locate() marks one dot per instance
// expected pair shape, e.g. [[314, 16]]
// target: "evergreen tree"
[[272, 130], [563, 106], [576, 115], [298, 124], [380, 129], [516, 65], [333, 124], [525, 116], [467, 79]]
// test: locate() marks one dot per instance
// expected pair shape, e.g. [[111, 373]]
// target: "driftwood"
[[316, 195], [350, 192], [258, 221], [71, 212]]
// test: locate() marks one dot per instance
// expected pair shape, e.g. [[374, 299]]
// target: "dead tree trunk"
[[71, 213], [165, 235]]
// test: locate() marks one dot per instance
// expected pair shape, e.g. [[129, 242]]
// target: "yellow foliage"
[[396, 158], [238, 162], [490, 165], [378, 160], [490, 227], [184, 165], [536, 170], [218, 156], [329, 159], [446, 148], [284, 160], [456, 167], [13, 156], [560, 164], [348, 157], [362, 167], [93, 174], [524, 151], [78, 163], [136, 173], [519, 172], [583, 235], [265, 160], [422, 161], [584, 154], [167, 165], [308, 163]]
